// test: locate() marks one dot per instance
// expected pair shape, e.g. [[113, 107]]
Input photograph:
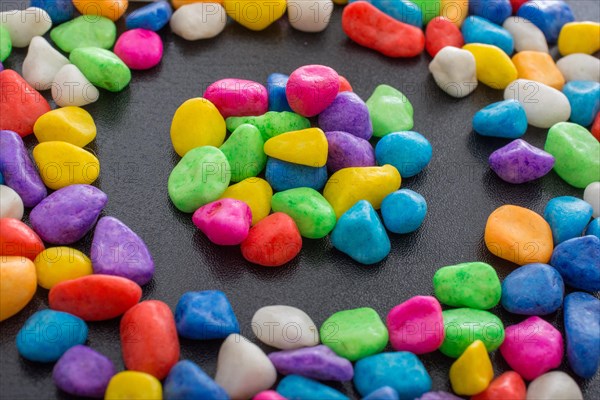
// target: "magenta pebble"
[[225, 222], [238, 97], [139, 48], [311, 89]]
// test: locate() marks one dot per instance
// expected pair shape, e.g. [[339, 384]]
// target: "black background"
[[136, 157]]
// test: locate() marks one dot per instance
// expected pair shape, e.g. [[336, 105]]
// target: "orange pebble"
[[180, 3], [17, 239], [111, 9], [509, 385], [540, 67], [345, 85], [519, 235]]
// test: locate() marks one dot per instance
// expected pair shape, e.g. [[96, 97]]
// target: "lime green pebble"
[[5, 44], [462, 326], [576, 153], [244, 150], [102, 68], [473, 285], [85, 31], [313, 215], [354, 334], [390, 111], [201, 176], [272, 123]]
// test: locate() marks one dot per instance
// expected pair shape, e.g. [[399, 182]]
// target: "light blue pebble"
[[59, 10], [383, 393], [283, 175], [205, 315], [402, 10], [408, 151], [593, 228], [549, 16], [584, 97], [1, 179], [582, 331], [360, 234], [578, 262], [153, 16], [276, 84], [505, 119], [494, 10], [403, 211], [480, 30], [48, 334], [533, 289], [567, 216], [296, 387], [187, 381], [400, 370]]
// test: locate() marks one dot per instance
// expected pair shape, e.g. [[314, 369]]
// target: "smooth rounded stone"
[[187, 381], [509, 385], [439, 395], [579, 67], [197, 21], [276, 84], [480, 30], [225, 222], [48, 334], [313, 215], [525, 34], [243, 369], [284, 327], [299, 387], [11, 205], [255, 192], [544, 105], [346, 150], [18, 239], [59, 264], [311, 89], [555, 385], [102, 67], [549, 16], [153, 16], [455, 11], [429, 9], [42, 63], [408, 151], [578, 262], [112, 9], [318, 362], [567, 216], [416, 325], [591, 195], [403, 211], [68, 124], [133, 385], [539, 67], [354, 334], [62, 164], [504, 119], [579, 37], [5, 44], [454, 71], [244, 150], [68, 214], [268, 395], [71, 88], [59, 10], [474, 285], [139, 49], [472, 372], [440, 33], [263, 14], [17, 284], [347, 113], [82, 371], [383, 393], [594, 228], [24, 25], [532, 347], [197, 122], [520, 162], [576, 153], [309, 16], [584, 97], [494, 10], [462, 326], [403, 11], [237, 97], [390, 110], [205, 315], [582, 331], [84, 32], [283, 175], [306, 147], [533, 289], [272, 123], [493, 66]]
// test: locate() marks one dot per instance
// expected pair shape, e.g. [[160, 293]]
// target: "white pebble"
[[243, 369], [579, 67], [23, 25], [72, 88], [555, 385], [454, 71], [526, 35], [11, 205], [309, 15], [284, 327], [544, 105], [42, 63], [591, 194], [198, 21]]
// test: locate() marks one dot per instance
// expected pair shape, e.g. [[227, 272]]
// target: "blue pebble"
[[59, 10], [567, 216], [296, 387], [533, 289], [187, 381], [549, 16], [153, 16], [283, 175], [480, 30], [593, 228], [582, 331], [400, 370], [584, 97], [408, 151], [205, 315], [276, 84], [494, 10], [402, 10], [403, 211], [578, 261], [48, 334], [1, 179], [504, 119], [383, 393]]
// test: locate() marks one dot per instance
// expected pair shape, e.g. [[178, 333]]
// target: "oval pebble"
[[139, 48], [42, 63], [84, 32], [113, 10], [272, 123], [494, 10], [555, 385], [11, 205], [308, 16], [472, 372], [494, 67], [244, 150], [584, 98], [416, 325], [462, 326], [24, 25], [579, 37], [480, 30], [225, 222], [539, 67], [62, 164], [188, 381], [408, 151], [473, 284], [284, 327], [205, 315], [102, 67], [579, 67], [18, 239], [390, 110], [582, 331], [59, 264], [59, 10], [525, 34], [153, 16], [403, 211], [578, 261], [347, 113], [454, 71], [255, 192], [311, 89], [238, 97], [197, 122], [133, 385], [283, 175], [441, 32], [533, 289], [544, 105], [67, 124], [567, 216], [72, 88], [201, 20], [520, 162], [591, 195], [17, 284], [509, 385], [403, 11], [317, 362], [549, 16], [345, 150], [505, 119]]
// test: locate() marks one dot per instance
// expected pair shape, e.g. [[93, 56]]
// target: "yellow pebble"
[[196, 123], [455, 10], [472, 372], [255, 14], [579, 37], [68, 124], [133, 385], [306, 147], [59, 264], [340, 2], [255, 192], [494, 67], [17, 284], [62, 164], [349, 185]]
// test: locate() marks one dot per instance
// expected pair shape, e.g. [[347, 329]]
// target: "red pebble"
[[516, 4], [273, 241], [440, 32], [596, 127], [20, 104], [95, 297], [149, 339], [17, 239], [509, 385], [345, 85], [369, 27]]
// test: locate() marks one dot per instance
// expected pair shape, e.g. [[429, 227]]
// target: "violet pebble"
[[318, 362], [224, 222], [438, 396], [347, 113], [383, 393], [139, 48], [520, 162], [346, 150]]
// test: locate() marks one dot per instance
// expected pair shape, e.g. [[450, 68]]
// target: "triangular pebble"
[[42, 63], [72, 88], [305, 147]]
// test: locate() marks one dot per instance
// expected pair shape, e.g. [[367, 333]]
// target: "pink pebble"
[[139, 48], [532, 347], [268, 395], [311, 89], [225, 222], [238, 97], [416, 325]]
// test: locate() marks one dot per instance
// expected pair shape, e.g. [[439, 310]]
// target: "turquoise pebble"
[[582, 331], [403, 211], [283, 175], [480, 30], [594, 228], [187, 381], [205, 315], [276, 88], [505, 119], [383, 393], [153, 16], [533, 289], [584, 97], [567, 216], [296, 387], [578, 262], [408, 151], [1, 179]]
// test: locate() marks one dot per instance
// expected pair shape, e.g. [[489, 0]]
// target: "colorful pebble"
[[441, 32], [238, 97], [272, 123], [299, 387], [579, 37], [267, 12], [244, 150], [346, 150], [582, 329], [306, 147], [554, 385], [480, 30], [390, 110], [594, 228], [84, 32], [5, 44], [404, 11], [462, 326], [255, 192], [318, 362], [153, 16], [494, 68], [71, 88], [505, 119], [383, 393], [62, 164], [313, 215], [58, 264], [578, 262], [68, 124], [509, 385], [273, 241], [17, 239], [525, 34], [283, 175], [225, 222], [538, 67], [17, 284], [533, 289], [474, 285], [408, 151], [472, 372], [197, 122], [549, 16], [311, 89], [276, 84], [520, 162], [113, 9], [187, 381], [567, 216], [284, 327], [205, 315], [494, 10], [133, 385], [42, 63], [59, 10], [584, 97], [102, 67], [347, 113], [403, 211], [544, 105], [454, 71], [139, 48], [439, 395]]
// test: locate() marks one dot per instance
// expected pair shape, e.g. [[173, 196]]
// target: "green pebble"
[[244, 150], [101, 67], [473, 285], [5, 44], [85, 31], [576, 153], [463, 326], [272, 123], [201, 176], [390, 111], [429, 8], [354, 334], [313, 215]]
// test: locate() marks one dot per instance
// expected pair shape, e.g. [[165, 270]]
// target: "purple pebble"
[[117, 250], [520, 162], [318, 362], [347, 150], [82, 371], [68, 214], [347, 113], [438, 396], [1, 66], [18, 170]]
